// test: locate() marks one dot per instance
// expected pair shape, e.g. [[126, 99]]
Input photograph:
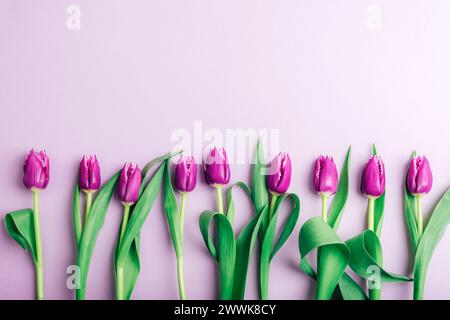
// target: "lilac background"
[[137, 70]]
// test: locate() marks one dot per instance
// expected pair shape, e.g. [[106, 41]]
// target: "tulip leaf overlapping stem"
[[270, 245], [24, 225], [233, 255], [366, 251], [375, 210], [20, 226], [424, 244], [333, 253], [175, 217], [86, 236], [232, 252], [126, 254]]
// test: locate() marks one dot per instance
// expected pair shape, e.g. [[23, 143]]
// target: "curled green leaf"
[[334, 257], [20, 226], [233, 269], [366, 255], [244, 248], [269, 246], [226, 248]]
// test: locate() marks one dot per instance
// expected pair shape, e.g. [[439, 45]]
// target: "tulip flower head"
[[217, 168], [373, 178], [186, 174], [420, 178], [279, 176], [325, 176], [89, 174], [129, 184], [36, 170]]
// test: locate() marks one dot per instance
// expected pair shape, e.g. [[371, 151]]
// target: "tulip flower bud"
[[186, 174], [373, 178], [279, 176], [89, 174], [129, 184], [420, 178], [36, 170], [217, 168], [325, 176]]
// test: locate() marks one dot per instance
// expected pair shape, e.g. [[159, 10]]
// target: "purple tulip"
[[420, 178], [186, 174], [217, 168], [36, 170], [325, 175], [373, 178], [129, 184], [279, 176], [89, 174]]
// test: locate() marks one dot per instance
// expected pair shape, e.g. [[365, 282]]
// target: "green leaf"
[[204, 223], [340, 198], [92, 228], [156, 161], [172, 211], [131, 269], [77, 223], [20, 226], [231, 209], [334, 257], [231, 276], [260, 194], [349, 289], [410, 213], [244, 248], [127, 257], [226, 248], [366, 252], [378, 213], [374, 150], [269, 247], [432, 234]]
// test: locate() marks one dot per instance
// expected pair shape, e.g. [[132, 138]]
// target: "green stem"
[[374, 293], [180, 254], [370, 214], [39, 264], [321, 293], [119, 293], [324, 206], [219, 199], [88, 206], [126, 213], [119, 267], [273, 203], [180, 277], [419, 284], [419, 214]]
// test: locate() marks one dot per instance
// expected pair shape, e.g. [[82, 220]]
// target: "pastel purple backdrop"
[[138, 70]]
